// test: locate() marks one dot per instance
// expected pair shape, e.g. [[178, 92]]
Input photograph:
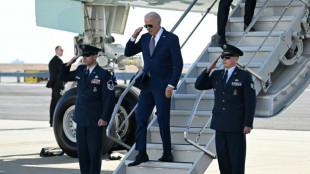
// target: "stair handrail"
[[286, 8], [197, 25], [118, 104], [261, 45], [183, 16], [189, 123]]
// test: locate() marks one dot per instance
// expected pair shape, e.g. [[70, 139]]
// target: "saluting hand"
[[247, 130], [168, 91], [72, 60], [137, 32], [213, 64], [102, 122]]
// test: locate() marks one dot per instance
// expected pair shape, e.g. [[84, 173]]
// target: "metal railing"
[[200, 95], [188, 126], [119, 75], [261, 45]]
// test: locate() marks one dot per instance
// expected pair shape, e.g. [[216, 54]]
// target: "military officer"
[[233, 111], [93, 108]]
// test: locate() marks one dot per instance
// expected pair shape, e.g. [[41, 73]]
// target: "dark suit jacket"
[[54, 68], [95, 94], [234, 105], [165, 64]]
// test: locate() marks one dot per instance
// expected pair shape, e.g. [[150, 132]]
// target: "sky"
[[21, 39]]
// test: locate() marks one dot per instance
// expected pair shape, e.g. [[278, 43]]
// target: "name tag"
[[95, 81], [236, 84], [77, 77]]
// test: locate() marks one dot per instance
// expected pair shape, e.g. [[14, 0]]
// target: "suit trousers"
[[55, 97], [223, 12], [222, 16], [249, 11], [89, 148], [150, 97], [231, 152]]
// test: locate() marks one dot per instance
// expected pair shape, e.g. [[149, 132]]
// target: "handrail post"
[[116, 109], [305, 2]]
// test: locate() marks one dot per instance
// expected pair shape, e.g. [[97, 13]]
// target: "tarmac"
[[279, 145]]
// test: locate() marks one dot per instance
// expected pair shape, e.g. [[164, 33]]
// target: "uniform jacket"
[[54, 68], [234, 105], [95, 94], [165, 64]]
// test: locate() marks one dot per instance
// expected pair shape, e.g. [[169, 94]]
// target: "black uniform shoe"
[[222, 40], [166, 158], [140, 158], [251, 30]]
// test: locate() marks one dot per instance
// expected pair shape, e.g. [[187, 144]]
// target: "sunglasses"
[[227, 57], [148, 25]]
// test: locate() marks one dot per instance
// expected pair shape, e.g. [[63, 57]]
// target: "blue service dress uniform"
[[234, 108], [95, 100], [164, 67]]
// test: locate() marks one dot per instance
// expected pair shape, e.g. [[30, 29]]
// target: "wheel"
[[65, 127]]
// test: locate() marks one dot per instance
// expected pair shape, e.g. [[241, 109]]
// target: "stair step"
[[155, 167], [180, 118], [248, 52], [244, 49], [186, 101], [177, 135], [264, 19], [273, 4], [254, 39], [181, 153], [275, 8], [262, 24], [253, 65], [255, 34]]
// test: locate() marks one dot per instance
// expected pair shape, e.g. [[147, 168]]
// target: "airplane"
[[276, 54]]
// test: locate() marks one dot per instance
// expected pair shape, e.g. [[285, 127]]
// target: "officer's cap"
[[88, 50], [230, 50]]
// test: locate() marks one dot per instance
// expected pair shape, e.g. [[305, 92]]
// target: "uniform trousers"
[[55, 97], [150, 97], [223, 12], [89, 148], [231, 152]]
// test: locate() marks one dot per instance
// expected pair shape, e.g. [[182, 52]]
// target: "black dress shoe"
[[221, 40], [166, 158], [142, 157], [251, 30]]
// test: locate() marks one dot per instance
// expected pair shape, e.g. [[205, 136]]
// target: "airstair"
[[278, 56]]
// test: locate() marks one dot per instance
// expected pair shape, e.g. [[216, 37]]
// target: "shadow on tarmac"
[[33, 164]]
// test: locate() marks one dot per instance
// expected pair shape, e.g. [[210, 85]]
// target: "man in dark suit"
[[162, 69], [222, 16], [233, 111], [93, 107], [54, 82]]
